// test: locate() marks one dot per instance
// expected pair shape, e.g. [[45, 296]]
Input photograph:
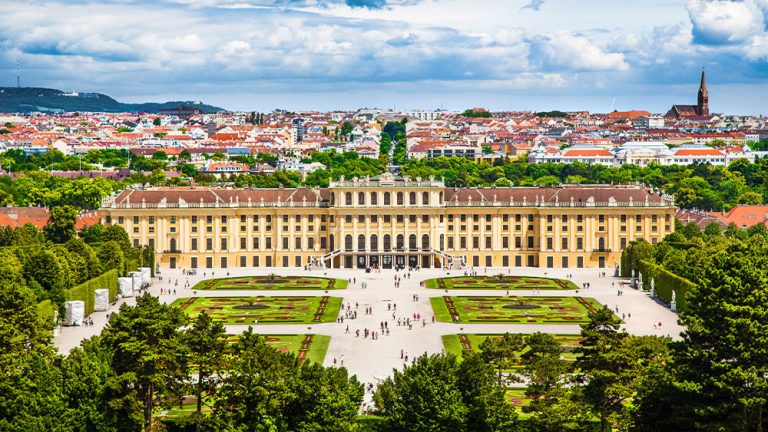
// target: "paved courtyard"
[[370, 359]]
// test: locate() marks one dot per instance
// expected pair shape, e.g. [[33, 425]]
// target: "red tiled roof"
[[587, 152], [698, 152], [744, 215]]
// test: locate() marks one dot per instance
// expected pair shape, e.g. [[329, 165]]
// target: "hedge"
[[46, 313], [665, 282], [86, 291]]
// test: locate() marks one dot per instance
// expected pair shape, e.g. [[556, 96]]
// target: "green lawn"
[[500, 282], [311, 347], [263, 310], [514, 310], [516, 396], [458, 343], [272, 283]]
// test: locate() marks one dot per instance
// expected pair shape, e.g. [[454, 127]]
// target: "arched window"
[[442, 242], [412, 197], [440, 198], [387, 200], [387, 242], [412, 241], [374, 198], [173, 244], [400, 242], [332, 242], [361, 199], [601, 243], [333, 198], [399, 198], [361, 242], [425, 198], [425, 242], [374, 243], [348, 198], [348, 242]]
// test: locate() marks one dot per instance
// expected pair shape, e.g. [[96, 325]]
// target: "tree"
[[44, 267], [185, 155], [423, 397], [157, 121], [254, 394], [722, 360], [501, 352], [147, 353], [111, 256], [92, 264], [326, 398], [61, 225], [438, 393], [488, 409], [206, 344], [608, 368]]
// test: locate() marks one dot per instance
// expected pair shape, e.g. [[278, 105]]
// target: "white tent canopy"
[[74, 313], [146, 275], [126, 286], [101, 300], [136, 276]]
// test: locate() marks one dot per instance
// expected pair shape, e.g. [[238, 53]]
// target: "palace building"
[[389, 221]]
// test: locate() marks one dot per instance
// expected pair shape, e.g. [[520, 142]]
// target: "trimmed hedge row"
[[665, 282], [85, 291], [46, 312]]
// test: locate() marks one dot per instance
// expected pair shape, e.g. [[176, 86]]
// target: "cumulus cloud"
[[565, 51], [725, 22]]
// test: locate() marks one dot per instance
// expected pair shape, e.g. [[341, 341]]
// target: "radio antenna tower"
[[18, 73]]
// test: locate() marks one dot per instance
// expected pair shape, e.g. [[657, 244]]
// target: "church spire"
[[703, 102]]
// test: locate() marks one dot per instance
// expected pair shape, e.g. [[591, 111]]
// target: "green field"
[[500, 282], [458, 343], [513, 310], [263, 310], [516, 396], [272, 282], [311, 347]]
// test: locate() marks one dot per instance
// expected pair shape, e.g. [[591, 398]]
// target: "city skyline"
[[334, 54]]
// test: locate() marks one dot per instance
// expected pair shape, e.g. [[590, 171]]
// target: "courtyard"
[[371, 360], [515, 309], [263, 310]]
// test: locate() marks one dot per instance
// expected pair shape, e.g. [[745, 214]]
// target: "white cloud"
[[564, 51], [722, 22]]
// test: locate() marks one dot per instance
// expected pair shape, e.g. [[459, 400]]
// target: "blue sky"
[[345, 54]]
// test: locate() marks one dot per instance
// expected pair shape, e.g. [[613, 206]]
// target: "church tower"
[[703, 103]]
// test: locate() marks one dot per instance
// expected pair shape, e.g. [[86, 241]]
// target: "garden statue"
[[673, 304]]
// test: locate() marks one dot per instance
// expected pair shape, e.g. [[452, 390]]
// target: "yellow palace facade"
[[389, 222]]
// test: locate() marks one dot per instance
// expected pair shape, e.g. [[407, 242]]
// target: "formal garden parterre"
[[272, 282], [306, 347], [263, 309], [457, 344], [500, 282], [514, 309]]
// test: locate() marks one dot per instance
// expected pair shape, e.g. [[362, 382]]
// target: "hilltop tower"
[[702, 107]]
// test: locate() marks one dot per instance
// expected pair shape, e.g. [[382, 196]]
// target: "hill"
[[30, 99]]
